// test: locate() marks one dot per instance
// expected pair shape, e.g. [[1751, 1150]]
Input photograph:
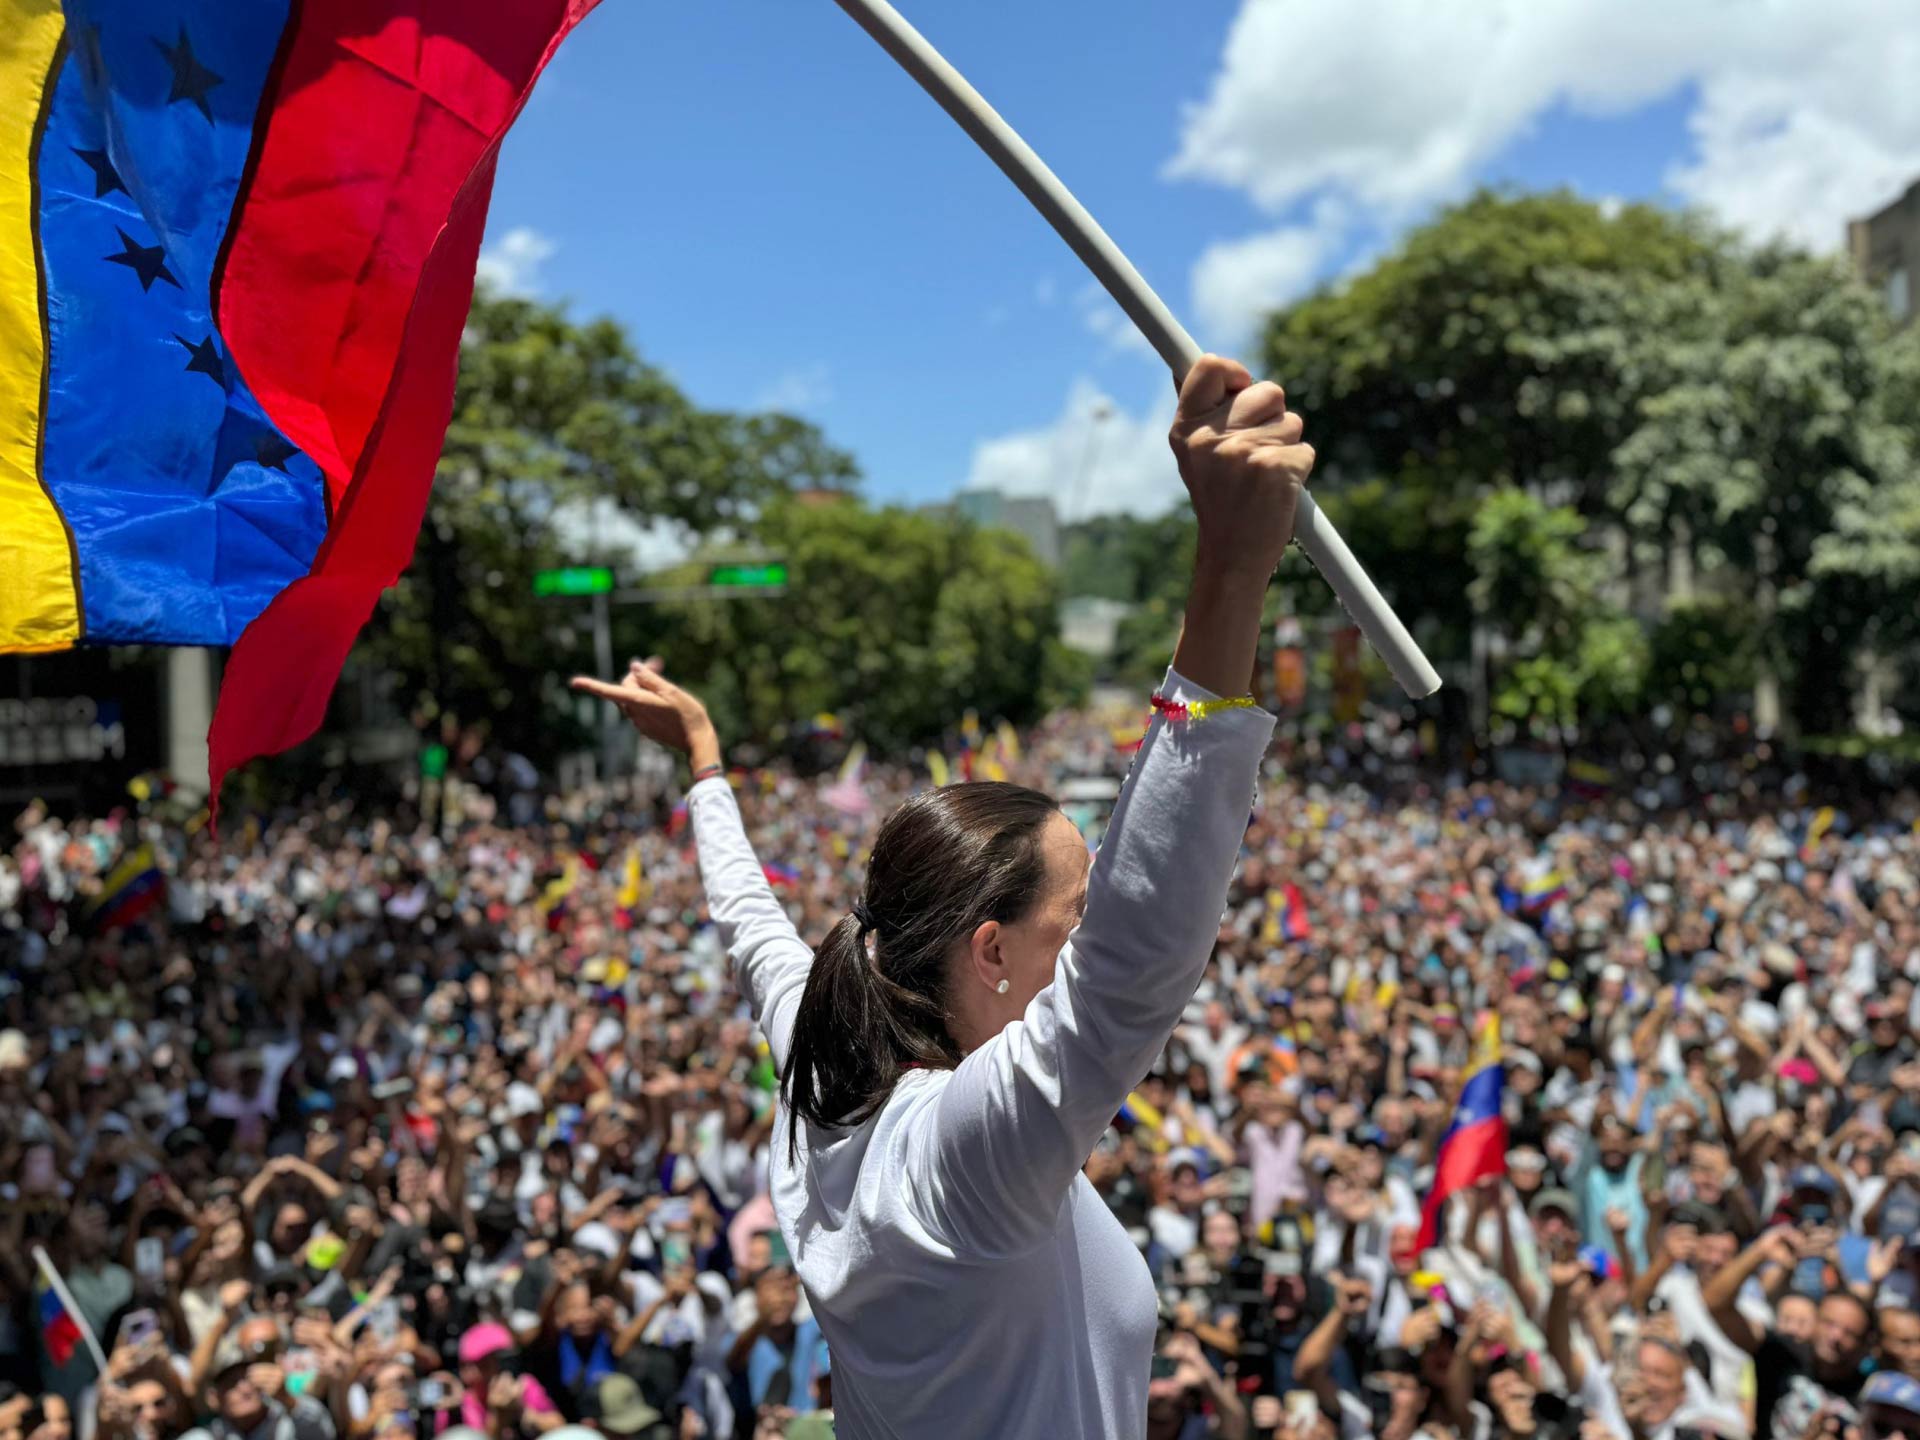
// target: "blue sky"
[[781, 218]]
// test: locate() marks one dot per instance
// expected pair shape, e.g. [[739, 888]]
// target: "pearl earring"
[[1003, 987]]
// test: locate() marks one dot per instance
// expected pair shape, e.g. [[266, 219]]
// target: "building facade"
[[1886, 251], [1034, 519]]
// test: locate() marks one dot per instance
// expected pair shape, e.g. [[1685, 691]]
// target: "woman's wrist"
[[703, 750], [1221, 635]]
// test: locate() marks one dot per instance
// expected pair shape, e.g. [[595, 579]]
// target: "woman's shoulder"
[[873, 1176]]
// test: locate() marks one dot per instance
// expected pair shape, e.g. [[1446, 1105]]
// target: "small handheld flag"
[[1543, 891], [1475, 1145], [133, 887], [1816, 832], [1294, 923], [633, 882], [62, 1326], [59, 1332]]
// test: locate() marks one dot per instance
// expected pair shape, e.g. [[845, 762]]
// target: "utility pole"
[[723, 582]]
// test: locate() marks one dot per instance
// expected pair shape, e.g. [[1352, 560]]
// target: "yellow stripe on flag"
[[39, 605]]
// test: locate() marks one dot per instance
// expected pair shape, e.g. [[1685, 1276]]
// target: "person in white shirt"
[[954, 1049]]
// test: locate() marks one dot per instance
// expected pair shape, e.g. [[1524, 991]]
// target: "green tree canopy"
[[560, 434], [894, 621], [1670, 391]]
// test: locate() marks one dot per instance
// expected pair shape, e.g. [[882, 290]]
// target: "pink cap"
[[489, 1338]]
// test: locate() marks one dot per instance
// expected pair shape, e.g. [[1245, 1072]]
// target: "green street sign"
[[574, 580], [748, 577]]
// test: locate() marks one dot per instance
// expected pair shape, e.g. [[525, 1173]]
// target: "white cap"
[[523, 1100]]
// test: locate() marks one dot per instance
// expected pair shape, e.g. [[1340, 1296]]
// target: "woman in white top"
[[955, 1047]]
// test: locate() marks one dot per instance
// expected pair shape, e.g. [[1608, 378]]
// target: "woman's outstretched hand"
[[660, 710], [1243, 463]]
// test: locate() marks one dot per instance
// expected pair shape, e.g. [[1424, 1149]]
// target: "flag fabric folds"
[[1475, 1145], [1287, 917], [59, 1331], [132, 888], [1294, 924], [634, 886], [1146, 1122], [1817, 831], [1543, 891], [237, 246]]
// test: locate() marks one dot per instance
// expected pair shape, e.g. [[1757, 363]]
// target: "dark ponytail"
[[875, 1003]]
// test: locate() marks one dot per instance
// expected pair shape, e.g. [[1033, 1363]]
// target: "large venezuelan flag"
[[1475, 1145], [237, 245]]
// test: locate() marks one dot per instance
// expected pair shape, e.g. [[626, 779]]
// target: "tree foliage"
[[561, 437], [895, 622], [1654, 387], [1572, 652], [565, 444]]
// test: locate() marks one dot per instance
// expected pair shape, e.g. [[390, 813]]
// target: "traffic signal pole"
[[724, 582]]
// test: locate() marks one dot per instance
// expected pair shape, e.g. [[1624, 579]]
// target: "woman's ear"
[[985, 963]]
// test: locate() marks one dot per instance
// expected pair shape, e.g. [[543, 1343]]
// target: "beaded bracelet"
[[1196, 710]]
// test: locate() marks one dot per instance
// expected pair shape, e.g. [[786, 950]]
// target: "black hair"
[[944, 863]]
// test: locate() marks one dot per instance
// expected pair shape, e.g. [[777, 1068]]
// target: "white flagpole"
[[1315, 533], [59, 1287]]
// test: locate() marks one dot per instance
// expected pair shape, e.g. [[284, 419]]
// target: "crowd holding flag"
[[63, 1325], [1146, 1121], [1817, 831], [1474, 1146], [634, 888], [553, 899], [132, 889], [1589, 781], [1543, 891]]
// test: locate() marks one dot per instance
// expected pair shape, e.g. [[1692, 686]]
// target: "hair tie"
[[864, 918]]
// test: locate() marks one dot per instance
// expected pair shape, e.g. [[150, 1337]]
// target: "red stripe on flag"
[[1470, 1153], [61, 1337], [347, 282]]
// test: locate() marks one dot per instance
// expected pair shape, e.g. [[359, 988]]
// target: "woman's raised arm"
[[1022, 1112], [770, 959]]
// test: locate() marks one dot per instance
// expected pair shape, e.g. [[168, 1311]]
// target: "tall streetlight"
[[1096, 417]]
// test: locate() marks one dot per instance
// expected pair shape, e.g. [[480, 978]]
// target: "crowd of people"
[[374, 1128]]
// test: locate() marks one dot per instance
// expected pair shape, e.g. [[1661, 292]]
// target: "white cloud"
[[1807, 113], [511, 264], [797, 391], [589, 528], [1097, 457], [1236, 282], [1799, 154]]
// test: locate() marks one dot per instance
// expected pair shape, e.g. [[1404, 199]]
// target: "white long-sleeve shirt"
[[967, 1277]]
